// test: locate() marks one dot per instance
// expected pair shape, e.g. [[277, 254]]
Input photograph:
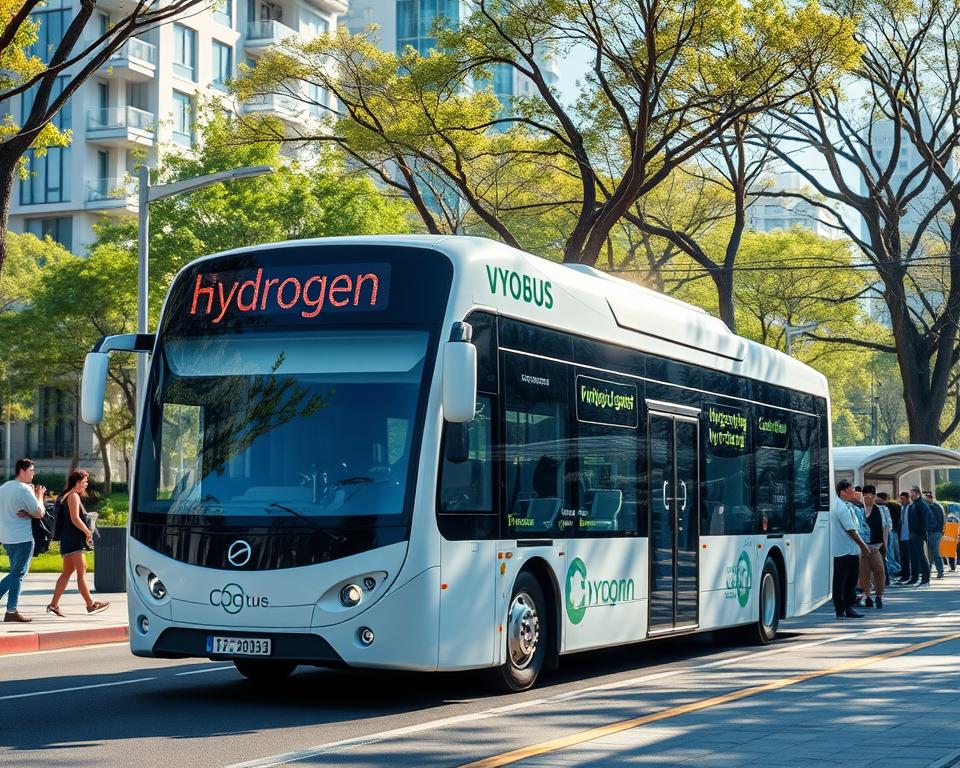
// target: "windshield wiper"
[[308, 520]]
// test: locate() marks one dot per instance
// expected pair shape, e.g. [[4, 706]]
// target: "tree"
[[666, 78], [48, 78], [897, 107]]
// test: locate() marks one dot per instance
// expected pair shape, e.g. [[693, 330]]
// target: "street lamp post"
[[789, 331], [149, 194]]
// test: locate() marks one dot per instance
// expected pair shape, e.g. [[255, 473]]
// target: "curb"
[[30, 642]]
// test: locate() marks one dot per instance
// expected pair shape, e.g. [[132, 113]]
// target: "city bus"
[[442, 453]]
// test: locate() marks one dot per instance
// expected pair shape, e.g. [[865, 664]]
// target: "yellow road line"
[[535, 750]]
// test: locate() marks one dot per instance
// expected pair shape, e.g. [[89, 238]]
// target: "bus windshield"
[[312, 428]]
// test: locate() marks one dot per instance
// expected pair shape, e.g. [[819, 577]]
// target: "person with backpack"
[[73, 531], [19, 502]]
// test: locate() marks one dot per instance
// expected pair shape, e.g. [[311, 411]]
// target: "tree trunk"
[[105, 459], [723, 280], [8, 177]]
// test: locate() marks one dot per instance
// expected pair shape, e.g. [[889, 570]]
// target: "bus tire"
[[526, 631], [264, 670], [764, 631]]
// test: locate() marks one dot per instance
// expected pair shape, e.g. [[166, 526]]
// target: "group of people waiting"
[[877, 541], [21, 500]]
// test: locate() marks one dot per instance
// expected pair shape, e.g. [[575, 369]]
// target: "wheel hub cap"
[[523, 630]]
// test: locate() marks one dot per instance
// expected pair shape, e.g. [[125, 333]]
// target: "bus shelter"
[[892, 467]]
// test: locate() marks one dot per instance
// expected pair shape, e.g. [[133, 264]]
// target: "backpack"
[[42, 532], [58, 517]]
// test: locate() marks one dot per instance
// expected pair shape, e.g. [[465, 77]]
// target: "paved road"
[[809, 700]]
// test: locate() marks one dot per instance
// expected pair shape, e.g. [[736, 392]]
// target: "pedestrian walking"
[[871, 564], [935, 533], [917, 513], [73, 525], [892, 556], [19, 502], [846, 545]]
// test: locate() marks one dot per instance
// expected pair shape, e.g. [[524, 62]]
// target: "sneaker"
[[939, 575], [852, 614], [16, 616], [840, 616], [923, 583], [869, 602], [879, 602], [97, 607]]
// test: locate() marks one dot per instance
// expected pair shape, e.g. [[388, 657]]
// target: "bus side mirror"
[[459, 376], [93, 386]]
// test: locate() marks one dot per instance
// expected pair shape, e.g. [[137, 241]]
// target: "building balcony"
[[121, 126], [261, 35], [287, 109], [135, 60], [112, 195]]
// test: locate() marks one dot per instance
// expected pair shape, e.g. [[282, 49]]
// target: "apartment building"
[[141, 103], [402, 23], [767, 214]]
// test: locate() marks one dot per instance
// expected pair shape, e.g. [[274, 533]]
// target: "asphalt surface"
[[101, 706]]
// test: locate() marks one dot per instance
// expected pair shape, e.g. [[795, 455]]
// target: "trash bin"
[[110, 556]]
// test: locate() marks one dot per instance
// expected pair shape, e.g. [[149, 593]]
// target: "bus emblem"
[[576, 590], [239, 553]]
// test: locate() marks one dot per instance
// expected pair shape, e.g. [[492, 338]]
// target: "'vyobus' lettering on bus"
[[363, 288]]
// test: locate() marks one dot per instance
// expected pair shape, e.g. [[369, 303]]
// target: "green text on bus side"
[[727, 428], [530, 290], [582, 592]]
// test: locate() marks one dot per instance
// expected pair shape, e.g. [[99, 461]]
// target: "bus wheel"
[[765, 631], [526, 630], [263, 670]]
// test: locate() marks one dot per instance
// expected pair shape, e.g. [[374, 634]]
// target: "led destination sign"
[[606, 402], [300, 291]]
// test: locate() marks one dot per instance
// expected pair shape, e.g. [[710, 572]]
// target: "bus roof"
[[590, 303]]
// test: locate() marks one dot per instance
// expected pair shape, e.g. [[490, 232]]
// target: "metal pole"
[[143, 253]]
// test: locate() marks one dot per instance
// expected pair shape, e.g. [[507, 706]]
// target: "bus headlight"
[[350, 595], [157, 590]]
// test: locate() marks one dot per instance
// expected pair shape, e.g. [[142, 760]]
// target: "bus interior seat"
[[544, 512], [605, 507], [460, 481]]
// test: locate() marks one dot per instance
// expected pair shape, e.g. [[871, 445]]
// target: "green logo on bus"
[[740, 580], [582, 593], [576, 590]]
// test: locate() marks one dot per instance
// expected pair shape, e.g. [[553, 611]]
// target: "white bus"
[[442, 453]]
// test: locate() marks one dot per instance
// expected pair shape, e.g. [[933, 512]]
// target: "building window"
[[182, 118], [222, 64], [51, 27], [59, 229], [223, 13], [51, 435], [317, 99], [185, 52], [49, 180]]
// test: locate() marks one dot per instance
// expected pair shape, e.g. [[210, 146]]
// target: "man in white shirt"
[[847, 546], [19, 501]]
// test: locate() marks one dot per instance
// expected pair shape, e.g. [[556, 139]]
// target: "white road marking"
[[359, 741], [204, 671], [77, 688]]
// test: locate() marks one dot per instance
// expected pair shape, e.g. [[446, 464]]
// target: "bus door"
[[674, 454]]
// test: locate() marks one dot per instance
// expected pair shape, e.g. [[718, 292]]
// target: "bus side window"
[[726, 508], [805, 476], [467, 486]]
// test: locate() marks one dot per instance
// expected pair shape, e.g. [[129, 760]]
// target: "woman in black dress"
[[74, 533]]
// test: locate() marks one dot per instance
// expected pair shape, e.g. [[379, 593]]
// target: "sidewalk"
[[47, 631]]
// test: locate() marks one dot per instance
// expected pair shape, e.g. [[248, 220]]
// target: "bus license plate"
[[238, 646]]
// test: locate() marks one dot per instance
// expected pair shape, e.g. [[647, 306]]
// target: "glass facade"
[[52, 434], [416, 19], [49, 180]]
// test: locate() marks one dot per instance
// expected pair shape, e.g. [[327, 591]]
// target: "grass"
[[48, 562]]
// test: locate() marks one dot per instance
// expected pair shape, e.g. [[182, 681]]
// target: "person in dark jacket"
[[917, 513], [935, 534]]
